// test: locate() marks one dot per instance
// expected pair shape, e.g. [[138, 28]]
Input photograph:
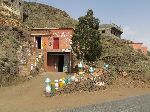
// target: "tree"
[[86, 39]]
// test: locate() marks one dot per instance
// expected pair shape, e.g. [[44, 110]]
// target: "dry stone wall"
[[15, 50]]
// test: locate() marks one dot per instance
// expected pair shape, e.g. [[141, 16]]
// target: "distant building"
[[54, 45], [110, 30], [139, 46]]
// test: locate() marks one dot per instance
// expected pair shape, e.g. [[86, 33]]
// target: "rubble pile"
[[89, 84]]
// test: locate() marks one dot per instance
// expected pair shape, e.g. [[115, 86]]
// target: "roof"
[[50, 28], [105, 26], [46, 29], [135, 43], [111, 26]]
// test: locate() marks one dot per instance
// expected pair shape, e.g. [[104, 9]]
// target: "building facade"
[[54, 44], [111, 30], [139, 46]]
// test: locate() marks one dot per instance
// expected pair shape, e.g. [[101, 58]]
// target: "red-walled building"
[[55, 46], [139, 46]]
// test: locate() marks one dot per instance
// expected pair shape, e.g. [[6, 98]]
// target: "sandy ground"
[[29, 97]]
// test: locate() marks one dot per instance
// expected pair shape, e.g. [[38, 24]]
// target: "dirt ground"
[[29, 97]]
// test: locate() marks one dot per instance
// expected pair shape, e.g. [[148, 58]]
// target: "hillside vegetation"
[[14, 43], [122, 58], [40, 16]]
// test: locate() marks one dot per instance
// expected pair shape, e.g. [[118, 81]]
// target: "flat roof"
[[50, 28], [101, 26], [136, 43]]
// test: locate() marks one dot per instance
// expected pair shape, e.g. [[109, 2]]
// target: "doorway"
[[38, 42], [55, 62], [60, 63], [56, 43]]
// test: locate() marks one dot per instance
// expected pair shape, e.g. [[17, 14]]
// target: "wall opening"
[[61, 63], [20, 4], [103, 31], [38, 42]]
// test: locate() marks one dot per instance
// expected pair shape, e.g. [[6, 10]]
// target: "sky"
[[132, 15]]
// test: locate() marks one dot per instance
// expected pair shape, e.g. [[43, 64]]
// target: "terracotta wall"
[[144, 50], [48, 35], [139, 46], [64, 39]]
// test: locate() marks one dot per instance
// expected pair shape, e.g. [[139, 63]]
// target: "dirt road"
[[29, 97], [130, 104]]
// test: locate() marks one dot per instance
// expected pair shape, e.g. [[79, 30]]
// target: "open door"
[[38, 42]]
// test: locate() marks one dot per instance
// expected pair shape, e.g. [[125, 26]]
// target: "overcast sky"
[[132, 15]]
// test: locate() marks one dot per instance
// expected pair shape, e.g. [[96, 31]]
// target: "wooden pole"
[[70, 61]]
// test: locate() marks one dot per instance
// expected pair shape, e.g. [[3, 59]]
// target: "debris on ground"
[[91, 80]]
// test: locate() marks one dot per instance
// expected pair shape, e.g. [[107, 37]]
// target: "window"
[[19, 3], [103, 31], [56, 43], [112, 31], [12, 0]]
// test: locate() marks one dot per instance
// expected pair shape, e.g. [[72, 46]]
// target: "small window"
[[103, 31], [19, 3], [12, 0], [112, 32]]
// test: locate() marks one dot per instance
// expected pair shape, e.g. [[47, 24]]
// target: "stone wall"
[[15, 6], [12, 6], [110, 30], [15, 46]]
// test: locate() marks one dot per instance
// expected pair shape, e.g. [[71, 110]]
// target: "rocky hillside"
[[15, 46], [40, 15], [14, 50], [124, 60]]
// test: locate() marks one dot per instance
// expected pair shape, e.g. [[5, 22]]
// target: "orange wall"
[[144, 50], [140, 46], [64, 39]]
